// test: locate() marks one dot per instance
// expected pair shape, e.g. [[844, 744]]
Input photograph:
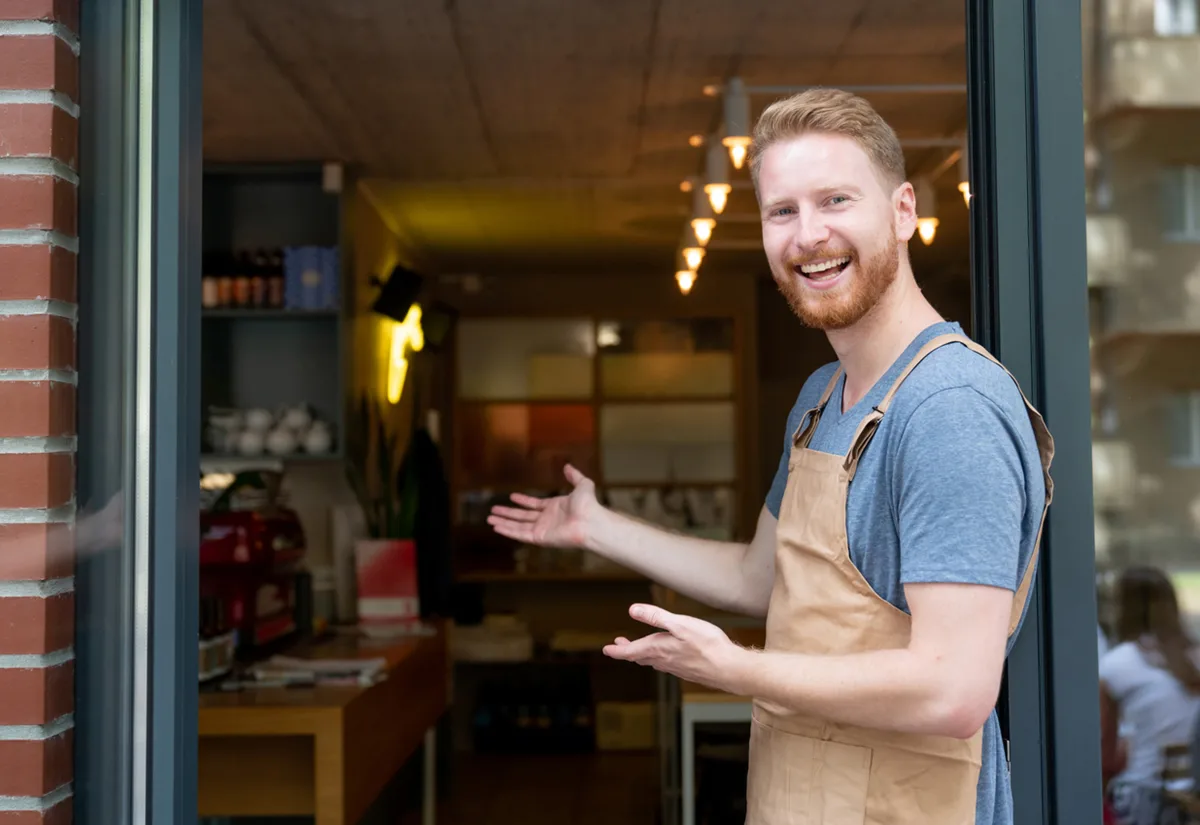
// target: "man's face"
[[831, 227]]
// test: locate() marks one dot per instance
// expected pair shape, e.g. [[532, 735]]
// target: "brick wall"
[[39, 83]]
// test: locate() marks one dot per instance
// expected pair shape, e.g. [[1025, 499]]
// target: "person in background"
[[1149, 691]]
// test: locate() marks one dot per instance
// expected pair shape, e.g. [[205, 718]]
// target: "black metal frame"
[[137, 603], [1029, 285]]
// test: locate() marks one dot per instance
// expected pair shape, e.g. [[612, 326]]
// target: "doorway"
[[530, 192]]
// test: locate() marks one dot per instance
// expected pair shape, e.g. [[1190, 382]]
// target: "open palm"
[[550, 522]]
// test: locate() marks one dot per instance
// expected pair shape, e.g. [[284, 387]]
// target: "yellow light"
[[738, 145], [703, 227], [965, 188], [685, 186], [718, 194], [693, 255], [696, 140], [927, 228], [686, 279], [407, 336]]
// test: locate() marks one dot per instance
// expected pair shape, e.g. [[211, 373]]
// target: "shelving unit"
[[650, 409], [271, 358]]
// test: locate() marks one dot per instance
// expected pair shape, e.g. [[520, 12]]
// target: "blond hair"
[[835, 112]]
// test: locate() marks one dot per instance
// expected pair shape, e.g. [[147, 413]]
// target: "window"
[[1174, 18], [1184, 428], [1181, 203]]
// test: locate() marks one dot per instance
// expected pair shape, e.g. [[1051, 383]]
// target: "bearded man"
[[894, 555]]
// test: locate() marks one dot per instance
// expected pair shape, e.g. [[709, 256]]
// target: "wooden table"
[[325, 752]]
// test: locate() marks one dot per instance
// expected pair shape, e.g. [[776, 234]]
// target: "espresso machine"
[[255, 596]]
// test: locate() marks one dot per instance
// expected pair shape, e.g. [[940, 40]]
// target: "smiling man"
[[894, 555]]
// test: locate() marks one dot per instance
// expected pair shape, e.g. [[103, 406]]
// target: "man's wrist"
[[738, 670], [595, 528]]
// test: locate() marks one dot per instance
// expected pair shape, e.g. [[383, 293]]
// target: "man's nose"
[[811, 234]]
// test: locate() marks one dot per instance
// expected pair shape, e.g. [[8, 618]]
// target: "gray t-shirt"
[[950, 489]]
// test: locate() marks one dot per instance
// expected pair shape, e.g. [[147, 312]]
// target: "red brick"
[[34, 552], [29, 624], [42, 202], [35, 767], [37, 271], [36, 408], [39, 130], [35, 696], [56, 11], [36, 342], [36, 480], [60, 814], [42, 62]]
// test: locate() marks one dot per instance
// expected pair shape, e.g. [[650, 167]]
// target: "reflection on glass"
[[680, 358], [667, 442], [1142, 159], [518, 360], [706, 512], [523, 446]]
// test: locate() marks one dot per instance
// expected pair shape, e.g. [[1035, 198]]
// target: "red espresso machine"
[[253, 590]]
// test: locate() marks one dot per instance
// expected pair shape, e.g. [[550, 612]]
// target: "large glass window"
[[1143, 242]]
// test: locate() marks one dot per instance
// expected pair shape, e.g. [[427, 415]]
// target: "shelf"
[[293, 458], [486, 576], [272, 314]]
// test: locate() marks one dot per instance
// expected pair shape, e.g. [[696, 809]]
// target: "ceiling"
[[552, 135]]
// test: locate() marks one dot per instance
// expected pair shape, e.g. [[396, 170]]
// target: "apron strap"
[[808, 424], [1045, 443]]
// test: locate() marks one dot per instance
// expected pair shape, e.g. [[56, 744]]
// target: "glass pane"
[[1145, 306], [667, 442], [522, 359], [689, 357], [525, 445], [699, 511]]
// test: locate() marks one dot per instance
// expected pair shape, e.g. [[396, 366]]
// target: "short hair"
[[835, 112]]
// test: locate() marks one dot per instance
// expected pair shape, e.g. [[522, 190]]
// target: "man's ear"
[[904, 207]]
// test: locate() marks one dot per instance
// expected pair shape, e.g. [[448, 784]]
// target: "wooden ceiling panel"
[[561, 89], [545, 133]]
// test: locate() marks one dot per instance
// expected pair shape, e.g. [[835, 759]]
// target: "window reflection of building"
[[1142, 58]]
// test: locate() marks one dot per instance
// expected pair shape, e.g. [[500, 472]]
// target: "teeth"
[[823, 266]]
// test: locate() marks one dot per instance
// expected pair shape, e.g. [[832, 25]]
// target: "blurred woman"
[[1149, 693]]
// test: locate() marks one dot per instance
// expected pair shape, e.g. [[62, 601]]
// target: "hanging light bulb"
[[686, 280], [927, 222], [691, 249], [716, 184], [737, 121], [964, 176], [703, 221]]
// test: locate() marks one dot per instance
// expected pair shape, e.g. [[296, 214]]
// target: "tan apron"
[[808, 771]]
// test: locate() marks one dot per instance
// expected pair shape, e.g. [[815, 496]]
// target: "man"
[[893, 557]]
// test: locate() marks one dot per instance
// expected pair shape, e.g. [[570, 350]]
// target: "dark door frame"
[[139, 307], [139, 402], [1029, 286]]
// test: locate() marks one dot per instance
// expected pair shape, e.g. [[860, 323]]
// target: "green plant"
[[386, 486]]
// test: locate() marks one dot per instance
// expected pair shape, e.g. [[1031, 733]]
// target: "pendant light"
[[703, 221], [927, 222], [716, 183], [684, 276], [964, 176], [691, 249], [737, 122]]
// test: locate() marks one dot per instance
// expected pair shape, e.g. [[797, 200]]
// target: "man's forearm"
[[712, 572], [886, 689]]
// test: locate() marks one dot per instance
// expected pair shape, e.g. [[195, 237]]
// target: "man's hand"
[[690, 648], [562, 521]]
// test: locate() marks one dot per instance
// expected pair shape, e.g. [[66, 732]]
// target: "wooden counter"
[[325, 752]]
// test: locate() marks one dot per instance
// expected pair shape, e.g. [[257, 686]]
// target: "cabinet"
[[273, 335]]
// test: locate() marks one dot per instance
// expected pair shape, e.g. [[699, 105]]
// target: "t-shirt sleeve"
[[779, 482], [959, 492]]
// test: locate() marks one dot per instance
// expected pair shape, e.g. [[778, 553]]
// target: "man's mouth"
[[823, 270]]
